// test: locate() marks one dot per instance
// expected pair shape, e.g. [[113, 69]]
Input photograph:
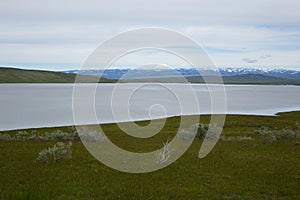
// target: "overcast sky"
[[60, 34]]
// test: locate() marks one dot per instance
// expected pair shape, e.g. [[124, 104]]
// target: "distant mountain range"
[[148, 73], [229, 75]]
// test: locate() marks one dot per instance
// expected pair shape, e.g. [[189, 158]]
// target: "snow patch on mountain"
[[165, 72]]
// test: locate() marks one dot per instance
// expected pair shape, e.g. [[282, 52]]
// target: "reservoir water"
[[50, 105]]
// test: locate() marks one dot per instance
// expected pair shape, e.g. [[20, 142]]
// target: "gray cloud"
[[149, 13], [248, 60], [60, 31], [265, 56]]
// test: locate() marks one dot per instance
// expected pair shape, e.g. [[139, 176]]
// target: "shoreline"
[[277, 114], [53, 105]]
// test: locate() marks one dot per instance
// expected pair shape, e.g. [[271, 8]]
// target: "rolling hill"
[[15, 75]]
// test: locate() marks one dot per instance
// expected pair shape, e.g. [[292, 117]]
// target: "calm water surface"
[[49, 105]]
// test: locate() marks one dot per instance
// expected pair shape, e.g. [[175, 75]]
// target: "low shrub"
[[186, 134], [58, 152], [57, 135], [88, 135], [197, 131], [235, 138], [61, 136], [269, 136], [6, 137], [21, 135], [201, 131]]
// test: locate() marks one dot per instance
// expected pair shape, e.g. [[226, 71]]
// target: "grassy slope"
[[14, 75], [233, 170], [255, 78]]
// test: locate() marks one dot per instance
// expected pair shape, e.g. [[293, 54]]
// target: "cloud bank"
[[60, 34]]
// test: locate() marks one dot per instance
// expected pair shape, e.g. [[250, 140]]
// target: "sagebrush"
[[59, 151]]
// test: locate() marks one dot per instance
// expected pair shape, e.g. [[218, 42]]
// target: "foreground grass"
[[233, 170]]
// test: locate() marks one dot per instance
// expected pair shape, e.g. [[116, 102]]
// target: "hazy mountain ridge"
[[291, 75]]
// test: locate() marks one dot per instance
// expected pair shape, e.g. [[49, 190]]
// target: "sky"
[[60, 34]]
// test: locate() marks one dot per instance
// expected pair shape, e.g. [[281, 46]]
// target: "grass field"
[[233, 170]]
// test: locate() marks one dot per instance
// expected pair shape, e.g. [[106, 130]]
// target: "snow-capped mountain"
[[146, 73], [280, 73]]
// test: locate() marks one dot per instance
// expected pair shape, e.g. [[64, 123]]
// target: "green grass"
[[233, 170]]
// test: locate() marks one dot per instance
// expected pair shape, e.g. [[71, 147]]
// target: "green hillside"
[[14, 75], [254, 78]]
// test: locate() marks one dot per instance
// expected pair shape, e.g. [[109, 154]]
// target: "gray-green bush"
[[6, 137], [57, 135], [269, 136], [198, 131], [88, 135], [235, 138], [58, 152]]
